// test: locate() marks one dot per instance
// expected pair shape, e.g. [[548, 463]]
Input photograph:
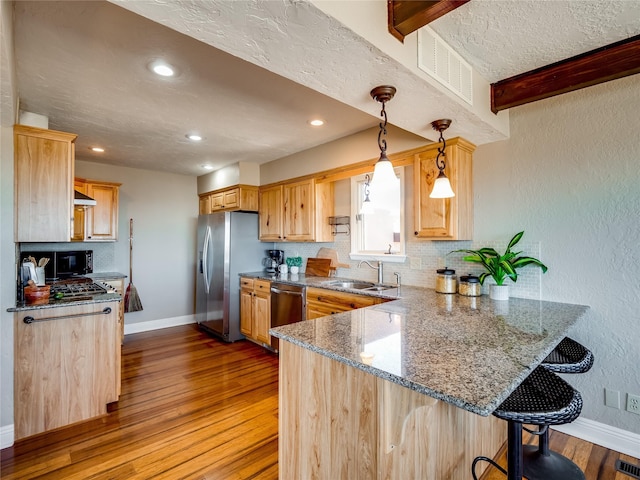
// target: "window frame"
[[356, 230]]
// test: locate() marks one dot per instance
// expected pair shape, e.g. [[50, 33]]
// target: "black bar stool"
[[542, 399], [541, 463]]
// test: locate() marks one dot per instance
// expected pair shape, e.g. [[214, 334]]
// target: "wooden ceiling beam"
[[407, 16], [611, 62]]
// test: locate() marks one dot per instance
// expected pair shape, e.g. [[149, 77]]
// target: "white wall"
[[164, 208], [570, 177]]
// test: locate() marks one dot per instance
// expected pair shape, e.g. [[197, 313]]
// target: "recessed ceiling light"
[[193, 136], [162, 68], [316, 122], [97, 149], [207, 167]]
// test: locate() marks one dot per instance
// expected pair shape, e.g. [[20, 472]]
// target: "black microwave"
[[63, 264]]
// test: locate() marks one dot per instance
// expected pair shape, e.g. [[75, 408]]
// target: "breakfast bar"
[[406, 389]]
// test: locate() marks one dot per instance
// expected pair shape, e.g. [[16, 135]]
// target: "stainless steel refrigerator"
[[227, 245]]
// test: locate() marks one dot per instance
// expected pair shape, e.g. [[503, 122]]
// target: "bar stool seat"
[[541, 463], [543, 398], [569, 357]]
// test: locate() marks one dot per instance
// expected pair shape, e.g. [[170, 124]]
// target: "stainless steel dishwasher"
[[288, 305]]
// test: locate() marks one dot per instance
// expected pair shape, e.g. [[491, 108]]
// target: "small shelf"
[[341, 221]]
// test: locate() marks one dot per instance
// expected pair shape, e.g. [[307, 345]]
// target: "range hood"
[[82, 199]]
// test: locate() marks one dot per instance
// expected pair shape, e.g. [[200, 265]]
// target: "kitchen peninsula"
[[405, 389]]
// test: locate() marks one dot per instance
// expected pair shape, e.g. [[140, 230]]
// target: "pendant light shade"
[[383, 173], [442, 186]]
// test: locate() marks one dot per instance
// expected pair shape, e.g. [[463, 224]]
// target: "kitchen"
[[581, 203]]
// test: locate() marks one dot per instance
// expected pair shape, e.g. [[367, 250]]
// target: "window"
[[378, 233]]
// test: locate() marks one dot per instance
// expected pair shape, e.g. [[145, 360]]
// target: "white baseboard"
[[6, 436], [604, 435], [158, 324]]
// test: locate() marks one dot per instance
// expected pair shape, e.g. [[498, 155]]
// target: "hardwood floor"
[[194, 407]]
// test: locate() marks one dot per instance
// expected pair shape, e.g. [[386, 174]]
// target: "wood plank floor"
[[193, 407]]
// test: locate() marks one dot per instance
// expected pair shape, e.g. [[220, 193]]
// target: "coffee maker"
[[274, 260]]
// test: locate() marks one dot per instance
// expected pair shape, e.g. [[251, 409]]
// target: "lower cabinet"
[[66, 365], [322, 302], [118, 284], [255, 309]]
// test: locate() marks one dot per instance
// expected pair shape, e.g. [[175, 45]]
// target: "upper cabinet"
[[43, 184], [296, 212], [444, 218], [241, 197], [100, 222]]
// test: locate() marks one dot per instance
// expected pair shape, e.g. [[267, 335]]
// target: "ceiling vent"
[[440, 61]]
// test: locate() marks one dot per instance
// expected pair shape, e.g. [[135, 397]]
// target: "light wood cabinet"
[[43, 175], [322, 302], [368, 427], [296, 212], [444, 218], [100, 222], [66, 365], [118, 285], [255, 309], [270, 214], [241, 197]]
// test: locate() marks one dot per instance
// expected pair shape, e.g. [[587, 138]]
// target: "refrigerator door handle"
[[205, 255]]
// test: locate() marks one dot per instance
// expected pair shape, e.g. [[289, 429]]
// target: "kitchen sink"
[[352, 285], [379, 288]]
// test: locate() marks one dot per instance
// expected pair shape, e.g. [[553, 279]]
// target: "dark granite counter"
[[471, 352]]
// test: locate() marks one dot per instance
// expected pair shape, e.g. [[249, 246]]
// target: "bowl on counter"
[[36, 295]]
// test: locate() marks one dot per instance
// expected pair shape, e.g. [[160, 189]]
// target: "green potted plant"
[[501, 267]]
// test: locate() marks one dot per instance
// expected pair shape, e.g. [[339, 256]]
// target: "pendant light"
[[383, 171], [367, 204], [442, 186]]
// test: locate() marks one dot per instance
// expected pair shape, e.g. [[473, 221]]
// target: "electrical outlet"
[[612, 398], [633, 403]]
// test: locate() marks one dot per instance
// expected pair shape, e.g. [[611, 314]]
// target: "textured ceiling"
[[503, 38], [84, 66]]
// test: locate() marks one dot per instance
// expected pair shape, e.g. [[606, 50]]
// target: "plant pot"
[[499, 292]]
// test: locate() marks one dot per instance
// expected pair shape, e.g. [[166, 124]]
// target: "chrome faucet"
[[379, 268]]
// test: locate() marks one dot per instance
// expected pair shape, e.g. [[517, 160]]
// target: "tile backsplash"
[[423, 259], [103, 253]]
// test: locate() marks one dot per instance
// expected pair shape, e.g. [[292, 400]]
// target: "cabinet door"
[[204, 205], [246, 312], [299, 211], [444, 218], [103, 217], [270, 214], [230, 199], [217, 202], [262, 316], [76, 372], [43, 163]]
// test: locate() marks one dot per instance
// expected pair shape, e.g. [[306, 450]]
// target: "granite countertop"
[[66, 302], [69, 301], [471, 352]]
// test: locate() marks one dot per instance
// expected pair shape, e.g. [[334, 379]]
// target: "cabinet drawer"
[[346, 301], [246, 283], [262, 286]]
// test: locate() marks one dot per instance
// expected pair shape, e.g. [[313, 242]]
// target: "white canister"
[[295, 270], [283, 269], [40, 277]]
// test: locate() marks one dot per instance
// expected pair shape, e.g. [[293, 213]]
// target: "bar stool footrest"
[[549, 467]]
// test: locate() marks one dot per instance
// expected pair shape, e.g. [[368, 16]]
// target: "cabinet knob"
[[415, 233], [352, 305]]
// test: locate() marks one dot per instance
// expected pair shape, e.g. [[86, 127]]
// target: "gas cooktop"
[[80, 287]]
